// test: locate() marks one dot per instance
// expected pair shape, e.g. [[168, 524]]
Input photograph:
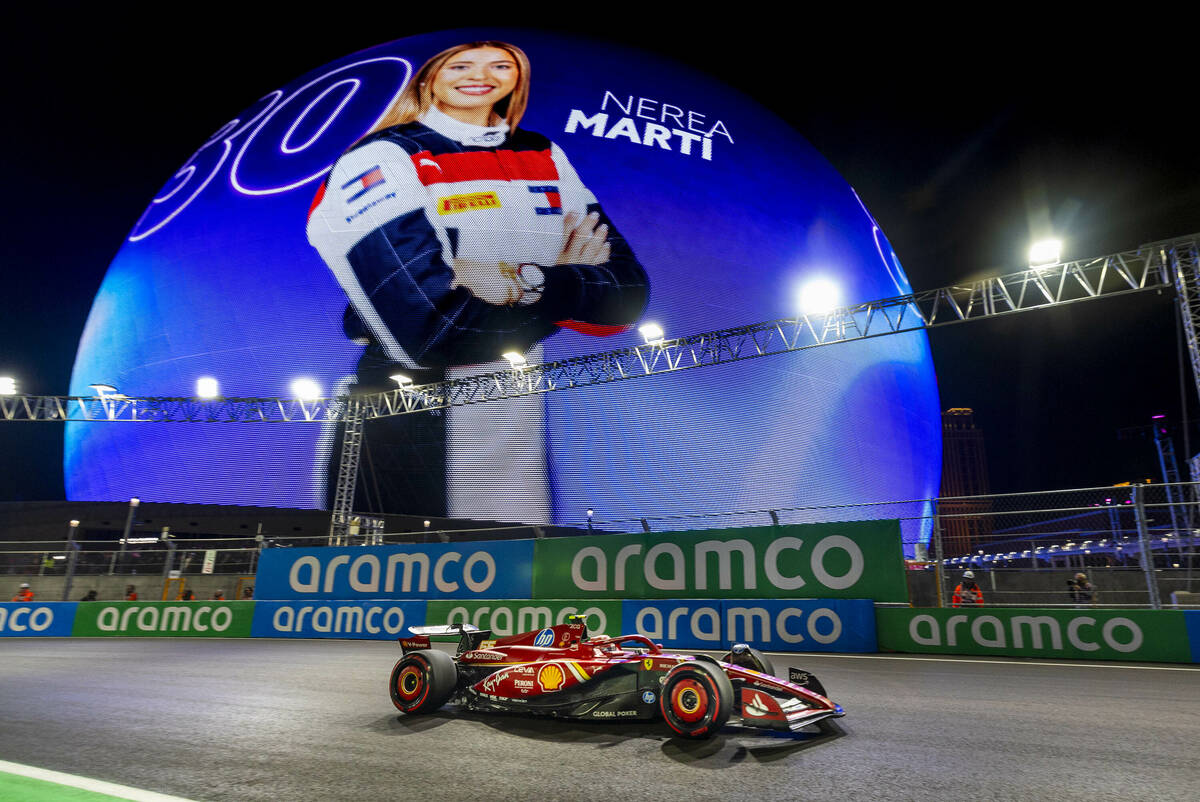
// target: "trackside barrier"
[[1089, 634], [1192, 621], [810, 625], [164, 619], [483, 569], [379, 620], [802, 625], [851, 560], [36, 619]]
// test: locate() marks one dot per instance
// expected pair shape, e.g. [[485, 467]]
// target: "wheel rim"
[[689, 701], [410, 685]]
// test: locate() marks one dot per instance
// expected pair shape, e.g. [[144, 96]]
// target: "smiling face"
[[472, 82]]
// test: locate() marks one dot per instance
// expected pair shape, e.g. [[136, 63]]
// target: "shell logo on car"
[[551, 677]]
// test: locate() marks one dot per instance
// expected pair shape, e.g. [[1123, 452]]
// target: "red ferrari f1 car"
[[560, 671]]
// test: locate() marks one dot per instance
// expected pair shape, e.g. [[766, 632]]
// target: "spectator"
[[219, 596], [248, 592], [967, 593], [188, 595], [91, 596], [24, 594], [130, 593], [1081, 591]]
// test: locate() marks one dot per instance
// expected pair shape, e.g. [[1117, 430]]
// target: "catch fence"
[[1135, 545]]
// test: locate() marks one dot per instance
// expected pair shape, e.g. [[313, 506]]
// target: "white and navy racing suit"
[[396, 215]]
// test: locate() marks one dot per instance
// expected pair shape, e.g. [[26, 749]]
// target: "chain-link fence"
[[1132, 546]]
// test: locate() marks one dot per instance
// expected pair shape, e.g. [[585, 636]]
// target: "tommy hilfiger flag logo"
[[552, 198], [363, 183]]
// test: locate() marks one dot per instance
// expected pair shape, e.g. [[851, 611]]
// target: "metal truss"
[[1152, 266], [120, 408]]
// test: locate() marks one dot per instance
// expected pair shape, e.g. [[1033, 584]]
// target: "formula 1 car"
[[560, 671]]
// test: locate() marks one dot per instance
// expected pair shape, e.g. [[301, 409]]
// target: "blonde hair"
[[417, 96]]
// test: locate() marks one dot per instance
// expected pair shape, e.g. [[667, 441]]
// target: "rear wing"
[[470, 636]]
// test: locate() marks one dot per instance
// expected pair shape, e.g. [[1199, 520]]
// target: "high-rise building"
[[965, 517]]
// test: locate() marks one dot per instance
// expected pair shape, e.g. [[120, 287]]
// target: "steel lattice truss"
[[1152, 266]]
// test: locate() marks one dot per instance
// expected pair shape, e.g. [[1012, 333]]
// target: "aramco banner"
[[796, 625], [1151, 635], [487, 569], [852, 560], [511, 617], [383, 620], [36, 619], [164, 619]]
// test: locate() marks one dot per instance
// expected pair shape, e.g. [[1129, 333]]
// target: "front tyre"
[[422, 681], [696, 699]]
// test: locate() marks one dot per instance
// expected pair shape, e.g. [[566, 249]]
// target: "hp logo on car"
[[544, 638]]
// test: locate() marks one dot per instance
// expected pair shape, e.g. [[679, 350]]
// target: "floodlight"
[[103, 390], [207, 388], [652, 333], [818, 296], [305, 390], [8, 385], [401, 379], [515, 359], [1045, 252]]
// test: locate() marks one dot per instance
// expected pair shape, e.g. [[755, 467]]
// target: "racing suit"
[[407, 221]]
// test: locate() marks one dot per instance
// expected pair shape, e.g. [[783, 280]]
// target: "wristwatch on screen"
[[531, 280]]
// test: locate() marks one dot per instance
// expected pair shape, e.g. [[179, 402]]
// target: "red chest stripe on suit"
[[592, 329], [485, 165]]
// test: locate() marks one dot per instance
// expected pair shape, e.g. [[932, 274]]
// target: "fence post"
[[939, 557], [72, 555], [170, 560], [112, 563], [1147, 556]]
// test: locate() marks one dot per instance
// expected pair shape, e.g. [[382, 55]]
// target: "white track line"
[[1063, 664], [88, 784]]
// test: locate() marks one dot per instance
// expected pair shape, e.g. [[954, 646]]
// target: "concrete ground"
[[311, 720]]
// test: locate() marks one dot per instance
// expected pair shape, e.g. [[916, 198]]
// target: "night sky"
[[963, 148]]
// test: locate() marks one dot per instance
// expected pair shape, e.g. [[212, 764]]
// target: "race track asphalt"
[[311, 720]]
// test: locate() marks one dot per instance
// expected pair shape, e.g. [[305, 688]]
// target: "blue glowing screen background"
[[725, 207]]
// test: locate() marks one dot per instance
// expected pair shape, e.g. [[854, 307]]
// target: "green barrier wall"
[[854, 560], [164, 619], [511, 617], [1150, 635]]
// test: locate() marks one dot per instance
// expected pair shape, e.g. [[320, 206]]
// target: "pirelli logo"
[[453, 204]]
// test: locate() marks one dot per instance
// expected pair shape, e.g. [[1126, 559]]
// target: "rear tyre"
[[422, 681], [696, 699]]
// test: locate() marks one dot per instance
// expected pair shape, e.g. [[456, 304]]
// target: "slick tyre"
[[422, 681], [696, 699]]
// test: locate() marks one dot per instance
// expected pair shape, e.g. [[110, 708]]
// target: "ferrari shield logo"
[[648, 663]]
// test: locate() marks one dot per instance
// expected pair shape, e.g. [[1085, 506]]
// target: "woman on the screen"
[[457, 235]]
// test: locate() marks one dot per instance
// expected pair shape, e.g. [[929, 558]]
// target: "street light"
[[1045, 252]]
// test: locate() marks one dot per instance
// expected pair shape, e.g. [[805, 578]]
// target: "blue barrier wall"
[[794, 625], [377, 620], [487, 570], [37, 619]]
